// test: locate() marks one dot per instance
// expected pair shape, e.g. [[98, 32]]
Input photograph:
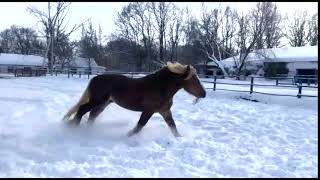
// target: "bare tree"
[[175, 33], [140, 22], [7, 40], [142, 15], [213, 34], [313, 30], [63, 51], [131, 27], [273, 32], [259, 16], [150, 32], [191, 28], [192, 51], [250, 28], [162, 12], [297, 33], [210, 37], [20, 40], [88, 45], [53, 21], [228, 31], [100, 47], [242, 44], [121, 22], [210, 23], [267, 13]]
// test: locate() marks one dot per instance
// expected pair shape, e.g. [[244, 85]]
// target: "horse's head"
[[190, 79]]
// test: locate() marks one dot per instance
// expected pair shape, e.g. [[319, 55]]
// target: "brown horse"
[[150, 94]]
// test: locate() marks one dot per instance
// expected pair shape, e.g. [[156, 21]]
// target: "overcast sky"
[[103, 13]]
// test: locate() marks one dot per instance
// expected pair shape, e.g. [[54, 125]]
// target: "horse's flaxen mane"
[[180, 69]]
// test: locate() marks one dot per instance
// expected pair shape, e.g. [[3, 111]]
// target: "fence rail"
[[80, 71], [299, 87]]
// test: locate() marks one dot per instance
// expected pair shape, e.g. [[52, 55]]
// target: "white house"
[[300, 60], [208, 69], [10, 61], [82, 64]]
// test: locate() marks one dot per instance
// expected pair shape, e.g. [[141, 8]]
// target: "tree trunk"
[[161, 47]]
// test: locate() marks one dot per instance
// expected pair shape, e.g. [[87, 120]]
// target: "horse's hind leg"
[[167, 116], [97, 110], [83, 109]]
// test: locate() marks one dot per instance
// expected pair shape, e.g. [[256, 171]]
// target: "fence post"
[[56, 72], [251, 85], [88, 74], [68, 73], [299, 91], [214, 83], [277, 82], [293, 80], [308, 81], [79, 74]]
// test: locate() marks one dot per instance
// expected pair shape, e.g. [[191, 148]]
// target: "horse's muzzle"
[[203, 94]]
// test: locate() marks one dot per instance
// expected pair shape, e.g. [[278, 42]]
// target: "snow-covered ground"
[[223, 135]]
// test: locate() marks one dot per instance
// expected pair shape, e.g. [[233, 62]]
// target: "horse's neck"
[[168, 82], [173, 90]]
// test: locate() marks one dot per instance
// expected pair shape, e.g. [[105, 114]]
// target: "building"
[[208, 69], [82, 65], [12, 62], [298, 60], [22, 65]]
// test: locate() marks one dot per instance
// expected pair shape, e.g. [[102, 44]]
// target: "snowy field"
[[223, 135]]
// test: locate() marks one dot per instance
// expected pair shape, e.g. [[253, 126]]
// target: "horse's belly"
[[128, 104]]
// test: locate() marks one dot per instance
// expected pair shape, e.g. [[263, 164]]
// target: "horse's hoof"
[[89, 123], [130, 133], [72, 123]]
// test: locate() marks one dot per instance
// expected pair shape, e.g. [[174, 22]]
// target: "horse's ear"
[[186, 73]]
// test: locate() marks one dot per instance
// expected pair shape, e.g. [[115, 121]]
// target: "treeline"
[[150, 33]]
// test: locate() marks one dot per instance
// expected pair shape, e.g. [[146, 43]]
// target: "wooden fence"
[[294, 84], [28, 72]]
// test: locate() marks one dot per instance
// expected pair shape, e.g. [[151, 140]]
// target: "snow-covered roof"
[[32, 60], [287, 54], [19, 59], [101, 67]]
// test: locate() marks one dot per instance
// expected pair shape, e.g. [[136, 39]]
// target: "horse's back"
[[127, 92]]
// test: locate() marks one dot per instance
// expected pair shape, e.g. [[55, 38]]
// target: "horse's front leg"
[[145, 116], [167, 116]]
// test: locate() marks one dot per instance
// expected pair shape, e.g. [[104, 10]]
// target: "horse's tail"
[[84, 99]]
